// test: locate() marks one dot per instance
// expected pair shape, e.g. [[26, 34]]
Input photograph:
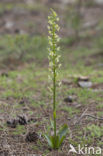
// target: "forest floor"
[[25, 105]]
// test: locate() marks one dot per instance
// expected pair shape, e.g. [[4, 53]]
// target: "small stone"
[[85, 84], [83, 78], [30, 2], [22, 102], [100, 65], [18, 31], [99, 1], [68, 99], [9, 25]]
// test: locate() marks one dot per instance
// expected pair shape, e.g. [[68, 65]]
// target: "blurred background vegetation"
[[23, 31]]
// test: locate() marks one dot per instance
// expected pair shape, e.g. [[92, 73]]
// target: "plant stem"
[[54, 84], [54, 102]]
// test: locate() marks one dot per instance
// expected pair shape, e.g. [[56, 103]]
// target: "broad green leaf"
[[63, 131], [49, 140], [61, 140]]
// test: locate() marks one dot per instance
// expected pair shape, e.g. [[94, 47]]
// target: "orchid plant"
[[56, 139]]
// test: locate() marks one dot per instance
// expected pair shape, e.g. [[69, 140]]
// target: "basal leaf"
[[63, 131], [61, 140], [49, 140], [55, 142]]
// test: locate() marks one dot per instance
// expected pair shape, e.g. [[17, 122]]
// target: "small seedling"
[[56, 139]]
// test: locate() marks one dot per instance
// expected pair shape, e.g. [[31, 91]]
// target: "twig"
[[93, 117], [83, 114], [89, 115]]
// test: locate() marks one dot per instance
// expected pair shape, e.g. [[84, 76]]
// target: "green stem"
[[54, 103], [54, 84]]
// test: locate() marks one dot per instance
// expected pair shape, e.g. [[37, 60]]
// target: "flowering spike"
[[56, 140], [54, 57]]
